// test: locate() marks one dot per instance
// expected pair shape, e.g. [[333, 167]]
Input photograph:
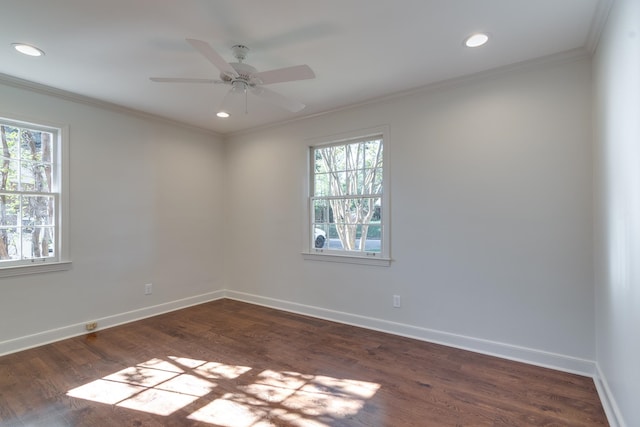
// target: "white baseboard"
[[493, 348], [614, 415], [506, 351], [52, 335]]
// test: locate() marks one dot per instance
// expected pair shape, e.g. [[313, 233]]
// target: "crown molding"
[[556, 58], [597, 24], [16, 82]]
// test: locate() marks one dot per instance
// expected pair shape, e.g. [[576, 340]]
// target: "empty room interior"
[[391, 227]]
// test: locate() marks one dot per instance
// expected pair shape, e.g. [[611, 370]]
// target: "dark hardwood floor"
[[232, 364]]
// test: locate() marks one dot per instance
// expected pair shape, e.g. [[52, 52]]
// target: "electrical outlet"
[[91, 326], [148, 289], [396, 301]]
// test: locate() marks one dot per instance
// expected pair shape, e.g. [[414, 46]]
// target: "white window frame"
[[309, 252], [60, 172]]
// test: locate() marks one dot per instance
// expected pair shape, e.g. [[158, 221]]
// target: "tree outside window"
[[346, 196]]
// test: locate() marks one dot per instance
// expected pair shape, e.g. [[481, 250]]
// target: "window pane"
[[321, 185], [319, 166], [9, 171], [321, 212], [11, 143], [330, 158], [9, 208], [320, 235], [378, 181], [37, 242], [27, 177], [37, 210], [9, 248], [369, 181], [35, 177], [338, 184], [35, 145], [373, 238]]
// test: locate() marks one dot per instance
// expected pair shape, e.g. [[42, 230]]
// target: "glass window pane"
[[319, 166], [378, 181], [338, 184], [37, 242], [9, 244], [321, 211], [37, 210], [321, 185], [331, 158], [9, 208], [27, 177], [363, 181], [373, 153], [35, 145], [43, 177], [320, 235], [36, 177], [9, 171], [11, 142], [373, 238]]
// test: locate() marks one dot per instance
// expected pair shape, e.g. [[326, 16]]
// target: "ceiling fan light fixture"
[[239, 86], [476, 40], [223, 114], [27, 49]]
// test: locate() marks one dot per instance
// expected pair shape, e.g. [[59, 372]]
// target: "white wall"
[[491, 183], [145, 207], [617, 155]]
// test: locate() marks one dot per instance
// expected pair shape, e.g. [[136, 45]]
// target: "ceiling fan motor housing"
[[245, 73]]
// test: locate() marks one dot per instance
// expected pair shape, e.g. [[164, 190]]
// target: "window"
[[347, 203], [30, 194]]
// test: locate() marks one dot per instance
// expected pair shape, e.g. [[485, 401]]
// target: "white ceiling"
[[359, 49]]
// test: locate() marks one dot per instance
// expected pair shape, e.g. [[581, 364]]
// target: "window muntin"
[[29, 193], [346, 198]]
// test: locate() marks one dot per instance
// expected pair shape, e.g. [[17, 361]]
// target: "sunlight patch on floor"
[[164, 386], [158, 386]]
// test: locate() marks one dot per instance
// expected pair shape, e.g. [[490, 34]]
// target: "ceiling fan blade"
[[182, 80], [287, 74], [214, 57], [277, 99]]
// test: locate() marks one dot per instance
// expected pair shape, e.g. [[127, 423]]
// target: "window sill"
[[34, 269], [347, 259]]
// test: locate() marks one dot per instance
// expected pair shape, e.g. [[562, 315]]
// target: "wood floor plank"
[[233, 364]]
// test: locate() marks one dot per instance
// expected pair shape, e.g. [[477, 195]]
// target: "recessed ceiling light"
[[27, 49], [223, 114], [476, 40]]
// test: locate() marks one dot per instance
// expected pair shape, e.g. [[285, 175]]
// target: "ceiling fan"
[[244, 78]]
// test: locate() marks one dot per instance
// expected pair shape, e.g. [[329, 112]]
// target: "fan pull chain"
[[246, 102]]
